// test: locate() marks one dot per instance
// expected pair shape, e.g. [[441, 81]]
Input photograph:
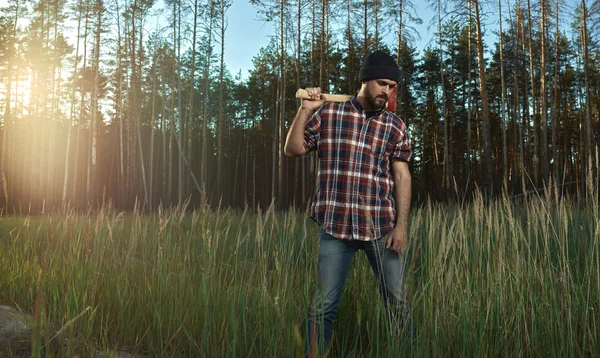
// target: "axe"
[[391, 103]]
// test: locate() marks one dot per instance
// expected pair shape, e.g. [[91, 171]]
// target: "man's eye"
[[387, 84]]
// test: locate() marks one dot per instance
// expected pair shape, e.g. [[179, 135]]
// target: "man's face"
[[377, 92]]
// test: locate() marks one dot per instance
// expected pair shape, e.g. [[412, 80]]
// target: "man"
[[363, 192]]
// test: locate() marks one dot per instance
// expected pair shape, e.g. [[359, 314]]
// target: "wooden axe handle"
[[301, 93]]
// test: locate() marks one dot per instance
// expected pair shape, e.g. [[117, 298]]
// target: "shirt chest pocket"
[[378, 149], [377, 139]]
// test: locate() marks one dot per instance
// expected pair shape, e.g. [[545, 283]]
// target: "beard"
[[376, 102]]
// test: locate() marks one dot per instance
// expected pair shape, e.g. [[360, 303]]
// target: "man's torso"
[[354, 194]]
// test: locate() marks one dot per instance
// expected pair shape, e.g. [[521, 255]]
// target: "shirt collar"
[[356, 103]]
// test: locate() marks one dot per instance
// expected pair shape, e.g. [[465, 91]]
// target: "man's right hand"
[[294, 143], [316, 99]]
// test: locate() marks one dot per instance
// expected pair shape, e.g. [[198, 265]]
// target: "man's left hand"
[[397, 241]]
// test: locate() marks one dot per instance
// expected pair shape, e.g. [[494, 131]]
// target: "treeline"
[[130, 101]]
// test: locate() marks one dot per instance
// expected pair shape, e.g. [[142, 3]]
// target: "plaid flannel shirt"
[[354, 196]]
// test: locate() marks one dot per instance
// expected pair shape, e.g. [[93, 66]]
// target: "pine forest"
[[101, 102]]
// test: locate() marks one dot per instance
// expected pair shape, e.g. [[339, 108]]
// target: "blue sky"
[[246, 34], [244, 37]]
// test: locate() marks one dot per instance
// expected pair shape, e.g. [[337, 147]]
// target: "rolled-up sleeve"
[[312, 132], [402, 150]]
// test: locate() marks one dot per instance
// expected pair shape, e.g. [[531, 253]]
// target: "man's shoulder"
[[337, 105], [330, 108], [394, 119], [391, 115]]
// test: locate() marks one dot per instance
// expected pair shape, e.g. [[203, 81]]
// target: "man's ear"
[[391, 103]]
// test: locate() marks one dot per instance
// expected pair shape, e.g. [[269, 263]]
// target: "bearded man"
[[363, 192]]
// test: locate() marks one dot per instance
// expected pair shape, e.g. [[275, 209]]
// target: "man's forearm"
[[403, 197], [294, 143], [402, 193]]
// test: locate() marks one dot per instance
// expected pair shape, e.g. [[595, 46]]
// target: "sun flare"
[[21, 92]]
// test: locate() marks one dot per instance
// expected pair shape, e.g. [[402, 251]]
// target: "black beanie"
[[379, 65]]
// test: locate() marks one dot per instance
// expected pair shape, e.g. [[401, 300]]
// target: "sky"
[[246, 34]]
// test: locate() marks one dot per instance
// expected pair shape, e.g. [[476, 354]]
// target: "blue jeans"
[[335, 258]]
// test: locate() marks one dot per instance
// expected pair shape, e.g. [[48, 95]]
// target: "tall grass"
[[504, 278]]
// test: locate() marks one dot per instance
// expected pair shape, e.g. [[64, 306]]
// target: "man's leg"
[[335, 257], [390, 269]]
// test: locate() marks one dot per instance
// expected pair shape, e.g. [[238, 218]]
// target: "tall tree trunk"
[[179, 138], [152, 139], [72, 111], [504, 146], [446, 149], [142, 162], [327, 57], [221, 122], [55, 93], [349, 70], [274, 146], [313, 39], [401, 47], [39, 82], [245, 188], [130, 158], [313, 80], [323, 49], [580, 155], [487, 182], [81, 105], [205, 115], [300, 161], [587, 132], [282, 4], [138, 115], [192, 79], [174, 89], [163, 130], [6, 131], [536, 122], [469, 98], [526, 157], [377, 20], [93, 189], [366, 20], [556, 104], [122, 190], [516, 135], [543, 97]]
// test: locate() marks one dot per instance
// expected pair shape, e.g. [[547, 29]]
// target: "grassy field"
[[500, 279]]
